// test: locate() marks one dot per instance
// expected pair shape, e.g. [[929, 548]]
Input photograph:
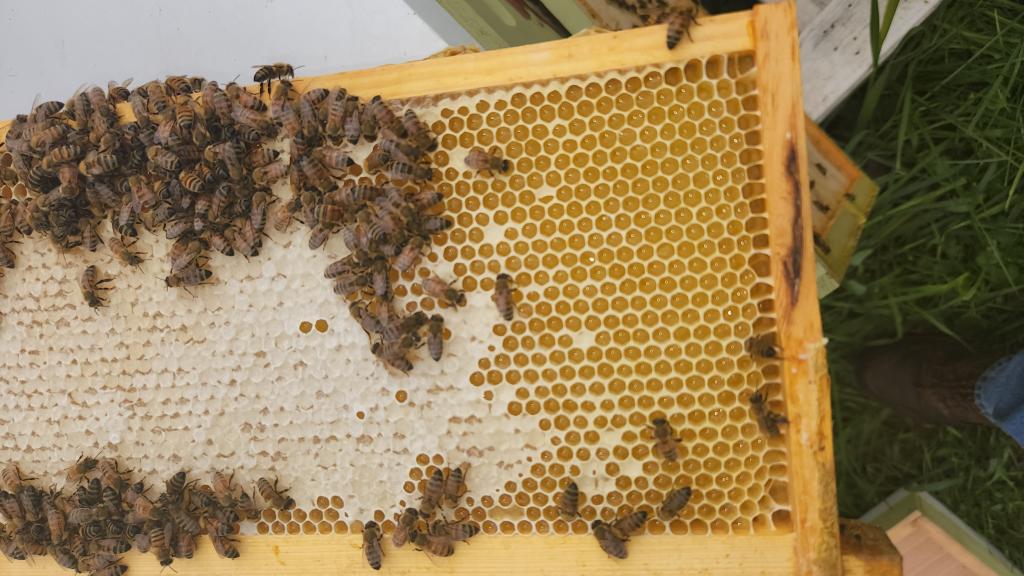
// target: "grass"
[[941, 128]]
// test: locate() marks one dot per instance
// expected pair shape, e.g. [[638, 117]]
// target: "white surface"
[[835, 47], [51, 48]]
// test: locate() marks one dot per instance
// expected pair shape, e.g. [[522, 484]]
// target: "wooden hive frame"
[[813, 546]]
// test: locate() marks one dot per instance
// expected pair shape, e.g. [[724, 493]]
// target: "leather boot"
[[928, 378]]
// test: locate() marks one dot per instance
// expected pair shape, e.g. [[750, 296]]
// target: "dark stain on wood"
[[821, 168], [794, 264], [820, 206], [820, 243]]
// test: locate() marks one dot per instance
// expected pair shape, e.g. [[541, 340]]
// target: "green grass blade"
[[875, 30]]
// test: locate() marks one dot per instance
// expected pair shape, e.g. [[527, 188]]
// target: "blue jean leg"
[[999, 395]]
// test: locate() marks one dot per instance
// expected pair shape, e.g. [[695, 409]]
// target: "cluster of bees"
[[201, 169], [425, 527], [106, 515]]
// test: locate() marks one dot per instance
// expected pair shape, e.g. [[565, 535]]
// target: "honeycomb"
[[634, 225]]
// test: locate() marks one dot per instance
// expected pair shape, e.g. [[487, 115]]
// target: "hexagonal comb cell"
[[633, 224]]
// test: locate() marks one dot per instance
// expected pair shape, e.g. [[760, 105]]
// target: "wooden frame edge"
[[530, 63], [306, 555], [812, 495]]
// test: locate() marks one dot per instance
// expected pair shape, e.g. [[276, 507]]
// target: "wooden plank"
[[835, 49], [531, 63], [804, 373], [485, 555], [841, 199]]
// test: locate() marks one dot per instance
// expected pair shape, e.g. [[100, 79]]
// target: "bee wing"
[[36, 101], [127, 82]]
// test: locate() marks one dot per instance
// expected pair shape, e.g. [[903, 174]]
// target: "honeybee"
[[91, 285], [386, 117], [191, 275], [122, 250], [455, 484], [112, 569], [368, 125], [334, 158], [178, 85], [163, 158], [55, 521], [436, 545], [9, 548], [185, 522], [96, 164], [400, 150], [762, 346], [262, 156], [158, 545], [665, 443], [419, 134], [63, 557], [270, 173], [43, 139], [435, 224], [608, 540], [410, 254], [767, 420], [377, 160], [679, 23], [435, 337], [283, 112], [90, 238], [674, 501], [433, 490], [184, 546], [246, 507], [316, 174], [379, 280], [308, 118], [118, 93], [353, 128], [47, 109], [7, 257], [503, 296], [317, 237], [404, 526], [490, 161], [629, 524], [398, 170], [112, 546], [462, 530], [245, 98], [224, 546], [11, 509], [443, 291], [371, 544], [267, 73], [393, 354], [273, 496], [569, 506]]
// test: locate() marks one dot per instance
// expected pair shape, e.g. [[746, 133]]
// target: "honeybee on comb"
[[762, 346], [267, 73], [665, 442], [767, 420], [679, 23], [92, 285], [608, 540], [489, 161]]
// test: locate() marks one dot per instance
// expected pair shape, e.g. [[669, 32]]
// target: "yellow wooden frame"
[[813, 546]]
